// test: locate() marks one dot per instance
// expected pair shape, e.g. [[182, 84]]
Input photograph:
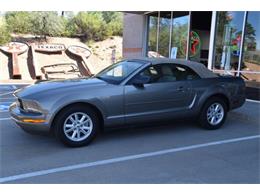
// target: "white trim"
[[3, 94], [236, 71], [3, 119], [158, 32], [242, 43], [254, 101], [122, 159], [145, 13], [12, 98], [145, 35], [212, 39], [16, 83], [170, 38], [188, 38]]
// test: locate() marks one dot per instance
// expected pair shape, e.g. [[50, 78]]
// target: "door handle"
[[181, 88]]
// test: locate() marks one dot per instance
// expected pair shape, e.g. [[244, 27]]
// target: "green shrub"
[[19, 22], [114, 22], [47, 23], [116, 28], [40, 23], [94, 26], [91, 25], [5, 36]]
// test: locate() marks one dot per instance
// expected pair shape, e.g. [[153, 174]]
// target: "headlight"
[[30, 106]]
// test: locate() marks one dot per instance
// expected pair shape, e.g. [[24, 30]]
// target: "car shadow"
[[150, 128]]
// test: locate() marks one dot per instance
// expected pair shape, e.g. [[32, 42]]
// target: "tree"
[[91, 25], [5, 36], [19, 22], [109, 16], [47, 23], [250, 36]]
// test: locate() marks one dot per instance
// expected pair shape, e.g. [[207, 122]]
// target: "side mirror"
[[139, 81]]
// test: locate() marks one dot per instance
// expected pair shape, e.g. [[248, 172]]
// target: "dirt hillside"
[[101, 55]]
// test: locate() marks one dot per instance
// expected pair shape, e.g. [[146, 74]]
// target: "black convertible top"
[[199, 68]]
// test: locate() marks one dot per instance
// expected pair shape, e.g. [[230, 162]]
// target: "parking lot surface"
[[177, 152]]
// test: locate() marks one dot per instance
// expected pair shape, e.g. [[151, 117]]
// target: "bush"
[[91, 25], [94, 26], [40, 23], [5, 36], [47, 23], [116, 28], [114, 21], [19, 22]]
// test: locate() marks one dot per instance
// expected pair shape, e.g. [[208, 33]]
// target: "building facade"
[[227, 42]]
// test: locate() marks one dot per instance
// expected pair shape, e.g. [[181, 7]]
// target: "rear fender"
[[213, 91]]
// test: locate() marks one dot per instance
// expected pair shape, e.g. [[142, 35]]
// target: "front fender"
[[63, 102]]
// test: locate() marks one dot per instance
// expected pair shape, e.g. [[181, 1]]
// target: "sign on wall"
[[49, 47], [174, 51], [195, 43]]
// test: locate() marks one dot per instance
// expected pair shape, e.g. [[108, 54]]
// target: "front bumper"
[[21, 117]]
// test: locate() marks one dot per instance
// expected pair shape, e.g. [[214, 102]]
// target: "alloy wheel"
[[78, 126], [215, 113]]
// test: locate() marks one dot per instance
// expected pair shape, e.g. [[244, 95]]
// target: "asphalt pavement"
[[177, 152]]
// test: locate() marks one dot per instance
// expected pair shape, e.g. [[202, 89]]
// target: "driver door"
[[162, 96]]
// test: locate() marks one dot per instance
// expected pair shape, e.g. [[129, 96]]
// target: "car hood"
[[58, 85]]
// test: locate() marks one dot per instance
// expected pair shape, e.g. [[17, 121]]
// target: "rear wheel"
[[213, 114], [76, 126]]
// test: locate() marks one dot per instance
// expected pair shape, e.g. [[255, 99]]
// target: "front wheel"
[[213, 114], [76, 126]]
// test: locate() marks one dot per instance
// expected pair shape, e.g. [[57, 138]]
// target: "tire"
[[84, 132], [206, 115]]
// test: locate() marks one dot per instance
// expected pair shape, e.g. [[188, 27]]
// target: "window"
[[228, 41], [168, 73], [250, 67], [116, 73], [167, 34], [164, 34], [184, 73], [179, 35], [152, 41]]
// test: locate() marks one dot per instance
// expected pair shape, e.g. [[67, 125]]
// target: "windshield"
[[116, 73]]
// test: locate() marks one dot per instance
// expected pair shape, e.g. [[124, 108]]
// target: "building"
[[227, 42]]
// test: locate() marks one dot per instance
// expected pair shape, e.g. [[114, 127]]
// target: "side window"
[[158, 73], [153, 72], [166, 73], [184, 73]]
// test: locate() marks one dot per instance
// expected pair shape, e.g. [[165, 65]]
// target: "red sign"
[[15, 47], [79, 51]]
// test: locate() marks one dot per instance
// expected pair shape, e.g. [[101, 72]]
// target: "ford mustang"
[[128, 92]]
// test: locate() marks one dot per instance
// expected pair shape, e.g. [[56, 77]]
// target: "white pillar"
[[212, 40]]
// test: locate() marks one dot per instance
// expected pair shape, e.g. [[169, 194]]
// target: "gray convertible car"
[[128, 92]]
